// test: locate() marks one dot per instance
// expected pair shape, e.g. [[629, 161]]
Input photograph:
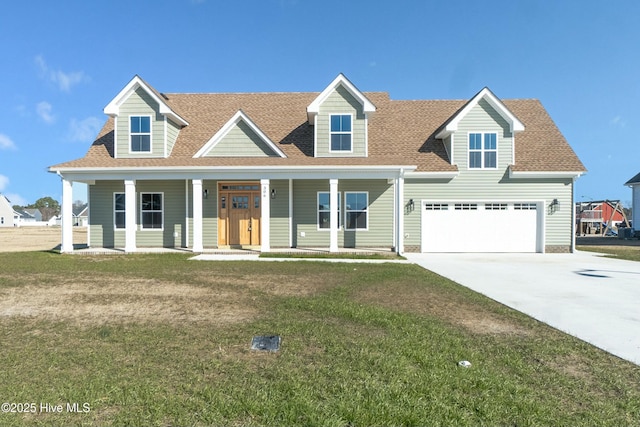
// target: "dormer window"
[[341, 132], [140, 131], [483, 151]]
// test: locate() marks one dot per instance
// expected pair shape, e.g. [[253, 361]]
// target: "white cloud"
[[62, 79], [3, 182], [84, 130], [16, 199], [44, 111], [6, 143], [618, 121]]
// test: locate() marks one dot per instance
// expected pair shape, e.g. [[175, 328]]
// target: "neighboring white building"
[[8, 216], [634, 183]]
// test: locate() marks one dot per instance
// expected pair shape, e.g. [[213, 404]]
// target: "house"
[[329, 169], [80, 215], [634, 183], [8, 216], [594, 216]]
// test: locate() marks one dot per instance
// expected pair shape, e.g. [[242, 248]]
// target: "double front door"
[[239, 214]]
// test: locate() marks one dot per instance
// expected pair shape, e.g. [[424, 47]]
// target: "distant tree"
[[48, 207]]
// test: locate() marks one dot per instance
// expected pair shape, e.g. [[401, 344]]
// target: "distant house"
[[339, 168], [634, 183], [592, 217], [81, 215], [8, 216]]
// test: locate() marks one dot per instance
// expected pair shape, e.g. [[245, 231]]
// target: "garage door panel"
[[479, 227]]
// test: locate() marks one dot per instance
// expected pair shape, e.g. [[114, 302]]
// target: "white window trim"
[[354, 210], [161, 210], [482, 150], [341, 133], [150, 134], [123, 211], [318, 228]]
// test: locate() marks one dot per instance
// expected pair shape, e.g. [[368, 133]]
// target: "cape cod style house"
[[330, 169]]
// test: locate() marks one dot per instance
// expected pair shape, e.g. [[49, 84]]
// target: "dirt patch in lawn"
[[134, 300], [271, 284], [424, 301], [19, 239]]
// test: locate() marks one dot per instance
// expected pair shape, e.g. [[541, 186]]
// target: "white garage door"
[[480, 227]]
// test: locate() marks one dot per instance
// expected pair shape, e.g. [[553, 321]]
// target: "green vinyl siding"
[[241, 141], [279, 229], [209, 214], [380, 214], [102, 231], [101, 215], [341, 102], [173, 130], [139, 103]]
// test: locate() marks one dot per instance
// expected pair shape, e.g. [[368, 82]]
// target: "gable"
[[241, 141], [240, 137], [515, 125]]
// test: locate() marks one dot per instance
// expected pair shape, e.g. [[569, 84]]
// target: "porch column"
[[265, 216], [130, 225], [333, 215], [197, 215], [66, 246], [400, 214]]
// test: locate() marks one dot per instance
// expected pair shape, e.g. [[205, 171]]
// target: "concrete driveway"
[[594, 298]]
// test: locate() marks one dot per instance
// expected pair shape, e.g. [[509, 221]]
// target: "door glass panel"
[[256, 202], [240, 202]]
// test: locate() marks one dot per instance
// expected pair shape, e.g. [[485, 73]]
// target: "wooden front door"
[[239, 216]]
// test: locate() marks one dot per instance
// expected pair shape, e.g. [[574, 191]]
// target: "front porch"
[[302, 215]]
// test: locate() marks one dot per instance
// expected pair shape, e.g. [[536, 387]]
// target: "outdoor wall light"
[[411, 205], [273, 193], [205, 193], [555, 206]]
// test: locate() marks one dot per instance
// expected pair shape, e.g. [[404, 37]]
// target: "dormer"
[[145, 125], [481, 135], [340, 116]]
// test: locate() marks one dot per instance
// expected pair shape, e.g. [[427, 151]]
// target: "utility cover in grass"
[[266, 343]]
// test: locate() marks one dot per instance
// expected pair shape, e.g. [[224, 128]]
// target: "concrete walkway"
[[256, 257], [594, 298]]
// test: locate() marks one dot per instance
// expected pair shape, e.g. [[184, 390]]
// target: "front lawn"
[[160, 340], [631, 253]]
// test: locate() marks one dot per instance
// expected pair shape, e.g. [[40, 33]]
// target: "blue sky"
[[63, 61]]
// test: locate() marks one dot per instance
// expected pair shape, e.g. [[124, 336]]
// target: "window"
[[525, 206], [356, 210], [483, 151], [341, 132], [140, 131], [495, 206], [436, 206], [119, 210], [324, 208], [466, 206], [151, 211]]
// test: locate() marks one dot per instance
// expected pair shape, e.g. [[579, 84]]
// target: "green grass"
[[622, 252], [363, 344]]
